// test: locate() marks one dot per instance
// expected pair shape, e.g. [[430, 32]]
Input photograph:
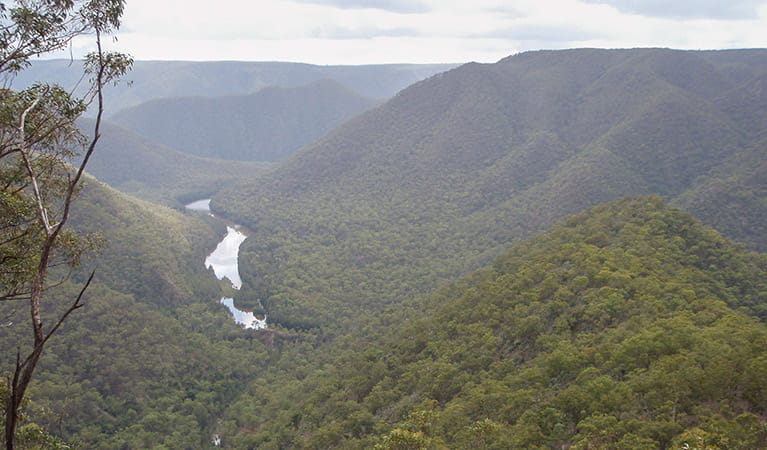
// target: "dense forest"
[[558, 250], [628, 326], [449, 172]]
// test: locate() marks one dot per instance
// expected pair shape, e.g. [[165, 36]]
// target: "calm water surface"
[[223, 260]]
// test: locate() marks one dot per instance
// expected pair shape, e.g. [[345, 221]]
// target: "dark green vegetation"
[[165, 79], [125, 375], [438, 180], [266, 126], [628, 326], [151, 171]]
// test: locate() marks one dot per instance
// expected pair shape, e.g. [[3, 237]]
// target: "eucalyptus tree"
[[43, 155]]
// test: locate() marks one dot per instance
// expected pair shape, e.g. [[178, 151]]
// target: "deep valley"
[[562, 249]]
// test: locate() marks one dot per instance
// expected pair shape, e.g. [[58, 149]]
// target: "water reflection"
[[200, 205], [245, 318], [223, 260]]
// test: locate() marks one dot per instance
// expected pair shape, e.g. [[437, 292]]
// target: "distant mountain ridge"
[[164, 79], [151, 171], [434, 182], [266, 126]]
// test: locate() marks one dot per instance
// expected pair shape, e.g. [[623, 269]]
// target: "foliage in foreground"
[[126, 375], [152, 359]]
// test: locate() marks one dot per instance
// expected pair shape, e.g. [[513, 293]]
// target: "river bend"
[[223, 260]]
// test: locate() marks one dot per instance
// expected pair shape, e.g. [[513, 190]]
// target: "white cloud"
[[689, 9], [335, 32], [399, 6], [370, 31]]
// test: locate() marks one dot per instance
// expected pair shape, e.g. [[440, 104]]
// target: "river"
[[223, 260]]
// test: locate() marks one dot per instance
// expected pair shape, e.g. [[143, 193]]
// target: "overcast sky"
[[421, 31]]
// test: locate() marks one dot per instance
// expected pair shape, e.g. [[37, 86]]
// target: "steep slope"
[[630, 326], [733, 196], [150, 251], [121, 374], [164, 79], [738, 66], [152, 171], [152, 358], [627, 326], [266, 126], [434, 182]]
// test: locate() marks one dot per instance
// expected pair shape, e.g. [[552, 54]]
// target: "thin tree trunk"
[[22, 375], [24, 370]]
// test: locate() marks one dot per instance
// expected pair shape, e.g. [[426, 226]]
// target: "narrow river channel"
[[223, 260]]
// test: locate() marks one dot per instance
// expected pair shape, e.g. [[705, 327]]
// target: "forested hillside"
[[630, 325], [150, 251], [151, 359], [266, 126], [508, 255], [436, 181]]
